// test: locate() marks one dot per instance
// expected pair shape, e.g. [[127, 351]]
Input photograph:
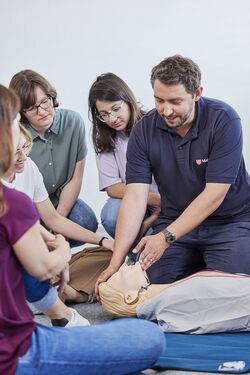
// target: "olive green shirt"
[[56, 154]]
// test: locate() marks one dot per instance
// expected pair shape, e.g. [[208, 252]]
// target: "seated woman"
[[26, 177], [59, 149], [113, 348], [114, 111]]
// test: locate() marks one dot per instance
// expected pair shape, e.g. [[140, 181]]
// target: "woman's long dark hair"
[[110, 87], [9, 108]]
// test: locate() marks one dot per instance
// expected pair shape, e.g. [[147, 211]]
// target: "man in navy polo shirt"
[[193, 147]]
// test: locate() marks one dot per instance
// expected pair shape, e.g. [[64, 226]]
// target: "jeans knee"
[[109, 215], [109, 223], [83, 215], [35, 289]]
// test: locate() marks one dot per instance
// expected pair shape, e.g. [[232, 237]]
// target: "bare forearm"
[[54, 263], [198, 210], [38, 260], [72, 190], [68, 198], [59, 224], [130, 217], [116, 191], [154, 199], [69, 229]]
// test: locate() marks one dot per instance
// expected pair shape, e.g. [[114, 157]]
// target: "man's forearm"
[[199, 209], [131, 214]]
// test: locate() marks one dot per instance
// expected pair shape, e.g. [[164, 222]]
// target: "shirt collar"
[[54, 127], [56, 122]]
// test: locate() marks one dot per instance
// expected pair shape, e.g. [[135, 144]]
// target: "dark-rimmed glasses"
[[45, 104]]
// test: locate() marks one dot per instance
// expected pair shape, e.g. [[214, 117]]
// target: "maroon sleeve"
[[21, 214]]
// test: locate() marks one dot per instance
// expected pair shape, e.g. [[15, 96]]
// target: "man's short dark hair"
[[178, 70]]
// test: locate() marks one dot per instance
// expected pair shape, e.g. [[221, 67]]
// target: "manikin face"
[[175, 105], [39, 118], [21, 154], [115, 114]]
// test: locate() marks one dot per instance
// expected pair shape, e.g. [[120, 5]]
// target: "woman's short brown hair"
[[25, 83]]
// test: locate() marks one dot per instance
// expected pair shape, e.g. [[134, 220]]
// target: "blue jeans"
[[109, 215], [122, 346], [83, 215], [40, 293]]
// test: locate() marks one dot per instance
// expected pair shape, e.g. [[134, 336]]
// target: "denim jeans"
[[40, 293], [83, 215], [109, 215], [121, 346]]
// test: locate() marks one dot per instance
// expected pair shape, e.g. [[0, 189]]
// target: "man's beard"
[[182, 121]]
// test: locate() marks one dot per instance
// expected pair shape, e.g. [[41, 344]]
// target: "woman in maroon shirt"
[[19, 229]]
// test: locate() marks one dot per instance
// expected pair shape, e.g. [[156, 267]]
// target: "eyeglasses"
[[45, 103], [24, 150], [115, 112]]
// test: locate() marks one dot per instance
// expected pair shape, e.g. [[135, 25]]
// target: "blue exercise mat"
[[217, 352]]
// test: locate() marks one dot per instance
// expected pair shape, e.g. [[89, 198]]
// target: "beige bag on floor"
[[86, 266]]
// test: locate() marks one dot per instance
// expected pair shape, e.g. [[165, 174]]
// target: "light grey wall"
[[72, 41]]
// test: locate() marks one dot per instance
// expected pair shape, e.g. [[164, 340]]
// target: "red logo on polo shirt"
[[201, 161]]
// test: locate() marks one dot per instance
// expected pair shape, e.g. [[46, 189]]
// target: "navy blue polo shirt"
[[211, 152]]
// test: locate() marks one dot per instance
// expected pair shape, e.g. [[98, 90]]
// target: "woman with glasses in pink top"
[[114, 111]]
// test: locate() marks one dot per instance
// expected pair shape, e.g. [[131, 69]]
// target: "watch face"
[[170, 237]]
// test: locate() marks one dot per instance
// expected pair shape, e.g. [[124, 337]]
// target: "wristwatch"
[[101, 240], [169, 237]]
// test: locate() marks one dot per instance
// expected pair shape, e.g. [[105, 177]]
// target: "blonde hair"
[[26, 134], [114, 303], [9, 108]]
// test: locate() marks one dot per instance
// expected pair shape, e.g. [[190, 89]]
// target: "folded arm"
[[34, 255]]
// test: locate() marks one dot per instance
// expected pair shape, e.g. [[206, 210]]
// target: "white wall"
[[72, 41]]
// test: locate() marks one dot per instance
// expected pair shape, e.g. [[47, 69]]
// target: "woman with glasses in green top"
[[59, 146]]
